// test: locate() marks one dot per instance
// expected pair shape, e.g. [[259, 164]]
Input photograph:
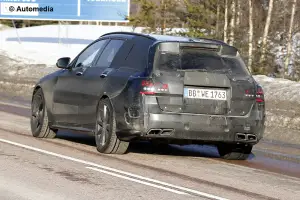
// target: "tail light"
[[148, 87], [259, 94]]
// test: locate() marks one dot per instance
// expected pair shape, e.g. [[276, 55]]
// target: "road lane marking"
[[184, 189], [137, 181], [14, 105]]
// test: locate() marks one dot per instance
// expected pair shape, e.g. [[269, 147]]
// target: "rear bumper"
[[146, 120], [205, 128]]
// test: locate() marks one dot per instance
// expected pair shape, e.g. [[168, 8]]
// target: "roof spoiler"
[[222, 49], [228, 50]]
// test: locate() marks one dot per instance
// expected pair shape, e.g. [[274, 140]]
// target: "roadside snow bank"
[[45, 44], [283, 108], [278, 89]]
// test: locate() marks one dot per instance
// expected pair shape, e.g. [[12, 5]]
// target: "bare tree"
[[238, 13], [250, 51], [226, 21], [289, 44], [218, 18], [163, 16], [266, 31], [232, 23]]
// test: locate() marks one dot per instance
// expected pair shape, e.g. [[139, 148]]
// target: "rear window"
[[201, 60]]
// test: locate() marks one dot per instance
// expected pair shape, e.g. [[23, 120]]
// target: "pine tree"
[[156, 15], [200, 17]]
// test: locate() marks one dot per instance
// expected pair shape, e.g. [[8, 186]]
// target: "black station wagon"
[[165, 89]]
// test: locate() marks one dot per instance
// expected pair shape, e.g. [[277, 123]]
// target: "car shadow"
[[144, 147], [174, 150], [76, 137]]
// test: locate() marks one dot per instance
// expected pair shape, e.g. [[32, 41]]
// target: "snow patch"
[[45, 44]]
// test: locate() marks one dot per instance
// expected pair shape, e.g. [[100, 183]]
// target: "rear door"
[[92, 82], [202, 80]]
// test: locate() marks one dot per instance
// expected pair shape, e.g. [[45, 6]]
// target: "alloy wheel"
[[37, 112], [103, 124]]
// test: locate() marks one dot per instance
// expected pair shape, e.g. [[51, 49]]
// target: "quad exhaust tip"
[[246, 137]]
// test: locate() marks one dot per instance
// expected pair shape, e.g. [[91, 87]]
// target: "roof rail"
[[152, 38], [129, 33]]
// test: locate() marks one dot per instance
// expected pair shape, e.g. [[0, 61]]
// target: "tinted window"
[[87, 56], [199, 59], [237, 65], [109, 53], [138, 53]]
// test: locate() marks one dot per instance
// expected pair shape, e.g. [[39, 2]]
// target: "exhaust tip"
[[251, 137], [158, 132], [167, 131], [241, 136], [246, 137], [154, 132]]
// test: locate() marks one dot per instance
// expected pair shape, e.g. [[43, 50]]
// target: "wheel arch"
[[35, 89], [46, 100], [105, 96]]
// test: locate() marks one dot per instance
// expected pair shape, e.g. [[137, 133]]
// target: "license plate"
[[211, 94]]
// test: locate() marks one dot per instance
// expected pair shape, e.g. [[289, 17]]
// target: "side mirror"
[[63, 62]]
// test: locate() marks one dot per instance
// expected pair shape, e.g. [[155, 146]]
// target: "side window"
[[86, 58], [109, 53]]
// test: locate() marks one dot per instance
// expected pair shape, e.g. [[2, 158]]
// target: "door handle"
[[103, 75], [106, 72], [79, 73]]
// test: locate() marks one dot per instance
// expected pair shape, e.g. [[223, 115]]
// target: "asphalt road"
[[69, 167]]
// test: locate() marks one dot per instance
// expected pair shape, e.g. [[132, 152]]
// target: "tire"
[[105, 131], [39, 118], [234, 152]]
